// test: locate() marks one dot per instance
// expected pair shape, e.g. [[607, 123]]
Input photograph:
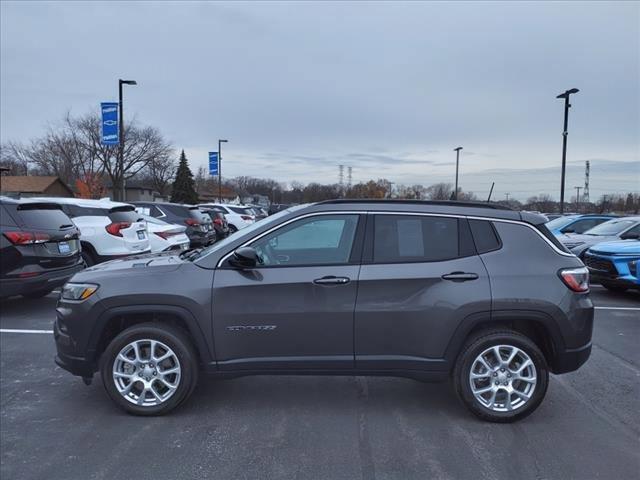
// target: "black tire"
[[88, 258], [232, 229], [175, 339], [615, 288], [37, 294], [478, 344]]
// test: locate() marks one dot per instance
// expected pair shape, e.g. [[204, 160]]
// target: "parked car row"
[[610, 248], [45, 240]]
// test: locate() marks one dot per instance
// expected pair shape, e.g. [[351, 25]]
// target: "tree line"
[[71, 150]]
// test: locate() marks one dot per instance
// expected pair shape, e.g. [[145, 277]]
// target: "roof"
[[81, 202], [471, 209], [29, 183]]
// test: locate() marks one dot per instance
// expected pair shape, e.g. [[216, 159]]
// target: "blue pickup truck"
[[614, 264]]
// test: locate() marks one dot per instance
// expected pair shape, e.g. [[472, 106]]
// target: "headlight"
[[633, 267], [78, 291]]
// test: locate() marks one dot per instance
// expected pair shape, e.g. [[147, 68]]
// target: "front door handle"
[[460, 276], [332, 280]]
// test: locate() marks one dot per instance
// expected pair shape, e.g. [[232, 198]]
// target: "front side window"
[[582, 226], [610, 228], [402, 238], [317, 240]]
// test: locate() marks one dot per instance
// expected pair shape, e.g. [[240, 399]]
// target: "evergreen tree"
[[183, 186]]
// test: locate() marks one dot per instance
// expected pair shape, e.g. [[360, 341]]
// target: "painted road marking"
[[14, 330], [617, 308]]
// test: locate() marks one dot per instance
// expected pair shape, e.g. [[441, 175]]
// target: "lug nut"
[[497, 383], [154, 374], [495, 374], [508, 375], [502, 369]]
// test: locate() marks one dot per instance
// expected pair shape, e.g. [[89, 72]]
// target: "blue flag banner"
[[110, 129], [213, 163]]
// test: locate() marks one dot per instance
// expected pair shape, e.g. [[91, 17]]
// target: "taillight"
[[115, 227], [191, 222], [577, 279], [217, 221], [246, 217], [26, 238]]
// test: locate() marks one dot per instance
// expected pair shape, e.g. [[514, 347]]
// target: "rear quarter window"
[[484, 236], [125, 216]]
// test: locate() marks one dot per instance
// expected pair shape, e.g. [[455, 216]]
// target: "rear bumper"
[[44, 281], [202, 240], [571, 359], [597, 276]]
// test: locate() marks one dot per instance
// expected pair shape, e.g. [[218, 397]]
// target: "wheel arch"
[[116, 319], [537, 326]]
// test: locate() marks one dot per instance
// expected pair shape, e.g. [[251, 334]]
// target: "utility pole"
[[585, 193], [457, 150], [220, 142], [565, 132], [121, 187], [577, 194], [507, 195]]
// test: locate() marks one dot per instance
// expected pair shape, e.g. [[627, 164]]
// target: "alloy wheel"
[[503, 378], [146, 372]]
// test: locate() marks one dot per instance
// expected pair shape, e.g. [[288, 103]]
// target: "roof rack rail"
[[449, 203]]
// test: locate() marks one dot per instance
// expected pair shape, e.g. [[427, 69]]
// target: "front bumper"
[[67, 358], [44, 281]]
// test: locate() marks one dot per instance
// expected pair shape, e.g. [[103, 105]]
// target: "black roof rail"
[[448, 203]]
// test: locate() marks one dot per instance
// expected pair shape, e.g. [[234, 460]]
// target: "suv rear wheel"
[[501, 376], [149, 369]]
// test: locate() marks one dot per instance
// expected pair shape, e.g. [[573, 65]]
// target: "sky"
[[386, 88]]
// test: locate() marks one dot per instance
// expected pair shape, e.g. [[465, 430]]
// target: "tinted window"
[[635, 229], [400, 238], [612, 227], [484, 236], [124, 216], [5, 218], [44, 217], [582, 226], [76, 211], [242, 211], [320, 240], [178, 210], [560, 222]]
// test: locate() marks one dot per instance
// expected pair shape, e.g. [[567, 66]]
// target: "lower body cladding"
[[41, 282]]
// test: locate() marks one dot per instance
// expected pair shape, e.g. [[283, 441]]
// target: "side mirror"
[[244, 257], [630, 236], [567, 230]]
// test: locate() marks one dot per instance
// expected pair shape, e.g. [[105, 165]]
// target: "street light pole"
[[220, 142], [565, 132], [455, 192], [121, 82]]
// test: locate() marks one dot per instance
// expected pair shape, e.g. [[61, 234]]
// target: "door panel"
[[279, 318]]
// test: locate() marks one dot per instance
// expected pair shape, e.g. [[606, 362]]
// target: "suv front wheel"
[[149, 369], [501, 376]]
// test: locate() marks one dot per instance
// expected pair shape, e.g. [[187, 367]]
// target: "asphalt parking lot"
[[52, 426]]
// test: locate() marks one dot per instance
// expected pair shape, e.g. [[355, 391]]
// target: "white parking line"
[[14, 330], [617, 308]]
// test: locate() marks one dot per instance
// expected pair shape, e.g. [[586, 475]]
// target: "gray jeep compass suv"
[[481, 295]]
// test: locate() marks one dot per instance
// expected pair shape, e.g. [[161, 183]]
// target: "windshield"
[[559, 222], [612, 227], [246, 232]]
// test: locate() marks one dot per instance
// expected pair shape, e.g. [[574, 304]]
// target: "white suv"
[[238, 216], [108, 230]]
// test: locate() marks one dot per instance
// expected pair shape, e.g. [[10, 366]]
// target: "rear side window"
[[402, 238], [484, 236], [45, 217]]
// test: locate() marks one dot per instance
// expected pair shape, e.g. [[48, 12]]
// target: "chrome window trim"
[[425, 214]]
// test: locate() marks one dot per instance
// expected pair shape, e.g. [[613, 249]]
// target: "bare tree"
[[439, 191]]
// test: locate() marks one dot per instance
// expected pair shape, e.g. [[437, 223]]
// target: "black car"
[[200, 232], [220, 223], [39, 248]]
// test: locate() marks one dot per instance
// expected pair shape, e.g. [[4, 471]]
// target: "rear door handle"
[[460, 276], [332, 280]]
